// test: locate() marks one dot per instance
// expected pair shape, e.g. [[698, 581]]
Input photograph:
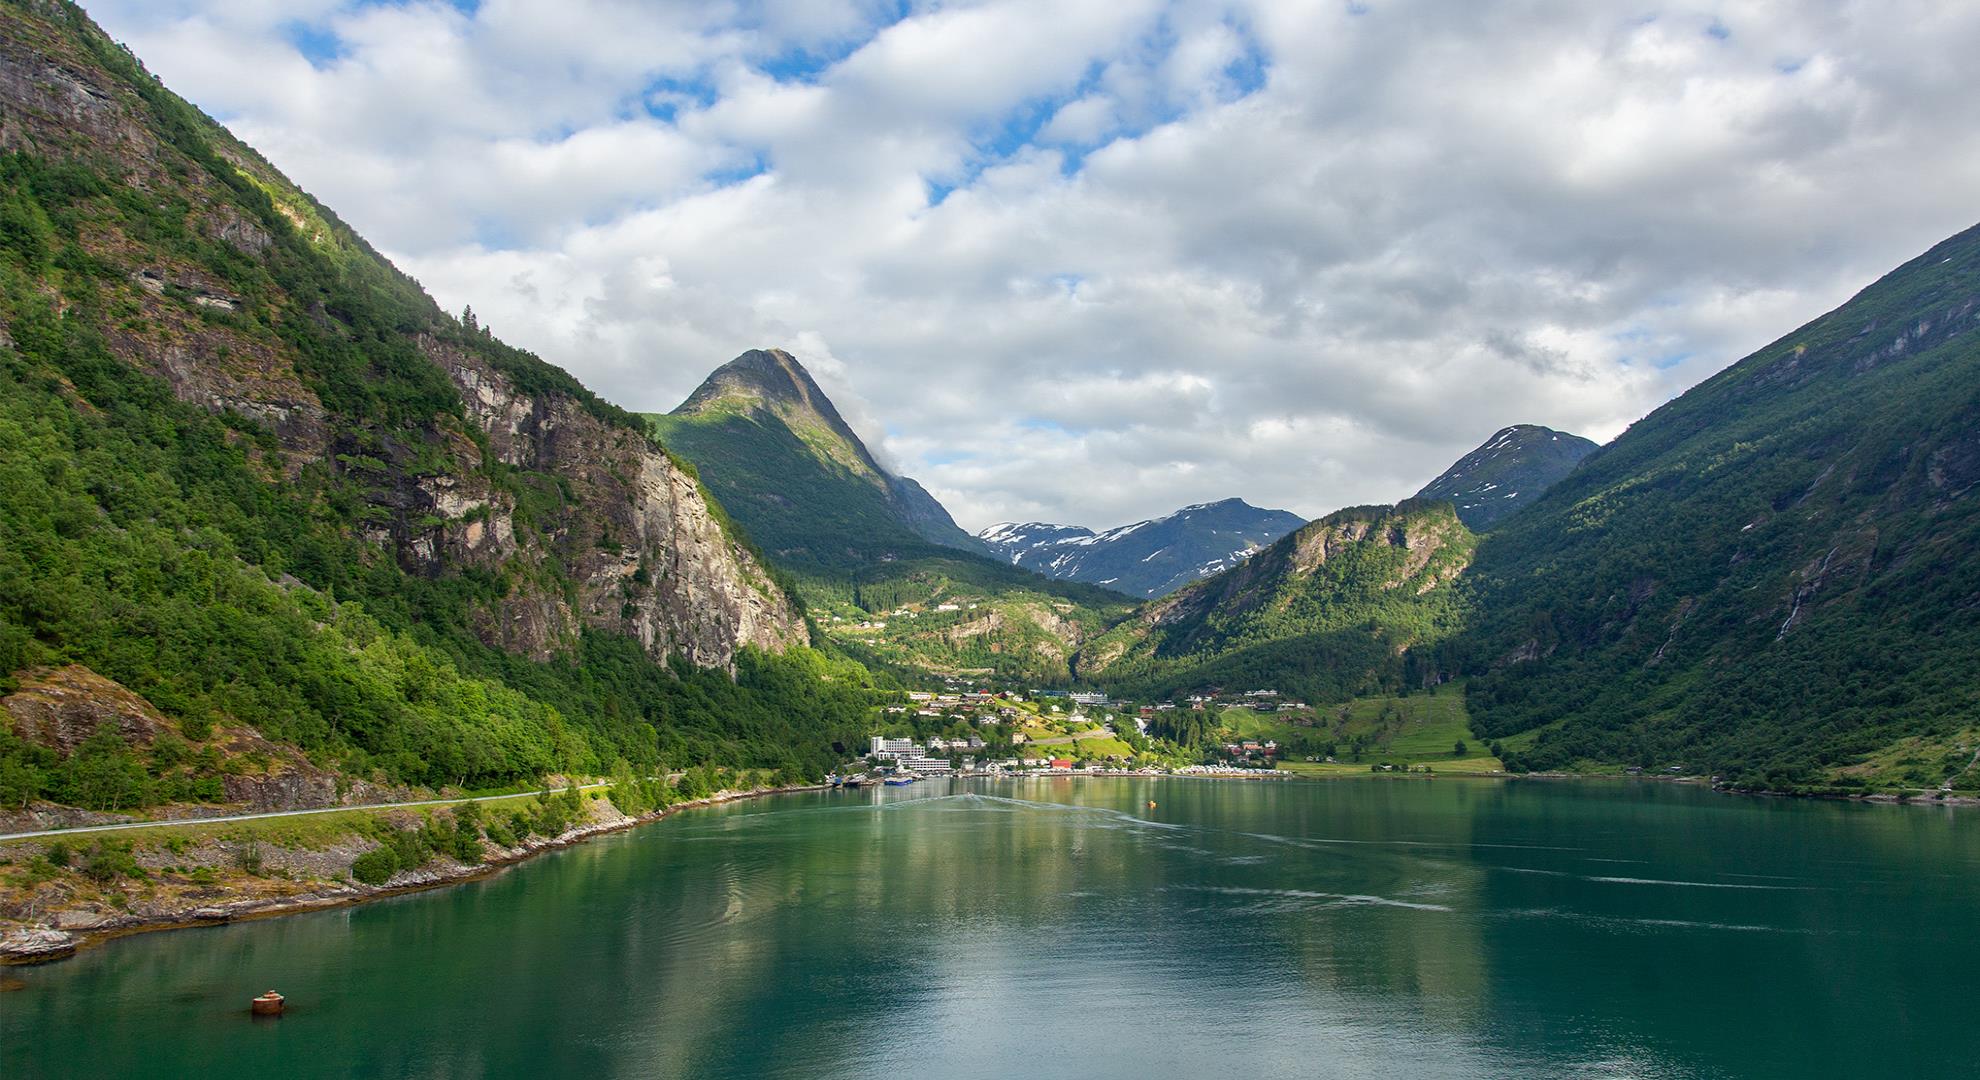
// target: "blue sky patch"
[[318, 44]]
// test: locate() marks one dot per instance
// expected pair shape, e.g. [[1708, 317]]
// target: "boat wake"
[[1332, 899]]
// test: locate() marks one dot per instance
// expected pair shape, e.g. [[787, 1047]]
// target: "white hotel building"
[[908, 755]]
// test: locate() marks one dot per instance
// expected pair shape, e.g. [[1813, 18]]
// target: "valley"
[[779, 541], [278, 533]]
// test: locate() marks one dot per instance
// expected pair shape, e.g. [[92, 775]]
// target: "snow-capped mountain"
[[1148, 558]]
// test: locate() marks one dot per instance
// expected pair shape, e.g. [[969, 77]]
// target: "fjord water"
[[1064, 928]]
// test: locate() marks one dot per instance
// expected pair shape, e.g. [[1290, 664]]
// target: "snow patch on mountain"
[[1146, 558]]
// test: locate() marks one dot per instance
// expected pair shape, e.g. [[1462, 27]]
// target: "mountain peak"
[[1506, 472], [1222, 505], [767, 393], [760, 377], [772, 381]]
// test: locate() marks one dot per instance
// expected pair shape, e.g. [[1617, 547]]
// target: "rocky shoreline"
[[64, 932]]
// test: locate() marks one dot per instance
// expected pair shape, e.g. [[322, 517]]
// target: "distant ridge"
[[1355, 603], [1148, 558]]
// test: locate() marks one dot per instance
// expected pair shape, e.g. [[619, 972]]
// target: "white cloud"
[[1304, 253], [1081, 121]]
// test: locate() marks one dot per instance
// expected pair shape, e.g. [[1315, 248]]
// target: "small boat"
[[855, 781], [268, 1004], [899, 781]]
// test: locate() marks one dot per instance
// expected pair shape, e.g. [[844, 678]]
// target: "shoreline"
[[34, 946], [30, 947], [1878, 798]]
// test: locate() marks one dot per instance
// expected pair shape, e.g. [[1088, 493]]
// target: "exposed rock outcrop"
[[60, 707], [647, 554]]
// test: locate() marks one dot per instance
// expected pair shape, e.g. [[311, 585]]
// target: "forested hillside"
[[1356, 603], [1773, 576], [253, 474]]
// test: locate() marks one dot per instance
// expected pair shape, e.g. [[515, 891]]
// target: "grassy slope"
[[1413, 729]]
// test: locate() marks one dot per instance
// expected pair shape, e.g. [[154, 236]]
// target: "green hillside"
[[239, 476], [1356, 603], [866, 547], [763, 432], [1772, 577], [1399, 730]]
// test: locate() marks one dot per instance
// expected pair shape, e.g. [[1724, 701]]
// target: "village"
[[964, 730], [969, 728]]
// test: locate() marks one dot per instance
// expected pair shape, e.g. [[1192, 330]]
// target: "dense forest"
[[1772, 576]]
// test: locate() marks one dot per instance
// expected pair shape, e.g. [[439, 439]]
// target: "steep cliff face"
[[451, 452], [645, 554]]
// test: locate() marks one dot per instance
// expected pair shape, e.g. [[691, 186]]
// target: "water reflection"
[[1065, 928]]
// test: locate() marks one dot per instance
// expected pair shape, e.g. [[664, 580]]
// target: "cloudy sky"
[[1090, 260]]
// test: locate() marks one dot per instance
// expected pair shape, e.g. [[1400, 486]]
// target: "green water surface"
[[1063, 928]]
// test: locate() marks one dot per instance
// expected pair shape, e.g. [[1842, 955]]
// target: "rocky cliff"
[[460, 454], [647, 556]]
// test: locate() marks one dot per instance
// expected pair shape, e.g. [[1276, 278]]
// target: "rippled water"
[[1062, 928]]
